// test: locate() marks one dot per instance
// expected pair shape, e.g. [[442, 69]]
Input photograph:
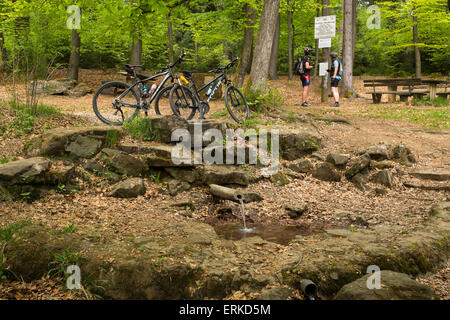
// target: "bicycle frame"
[[222, 78]]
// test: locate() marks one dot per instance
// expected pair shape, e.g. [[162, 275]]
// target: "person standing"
[[303, 68], [336, 75]]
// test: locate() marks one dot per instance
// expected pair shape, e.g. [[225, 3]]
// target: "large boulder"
[[327, 172], [394, 286], [301, 166], [221, 174], [357, 165], [383, 177], [298, 142], [26, 171], [54, 87], [338, 159], [130, 188], [75, 142], [79, 90], [121, 162]]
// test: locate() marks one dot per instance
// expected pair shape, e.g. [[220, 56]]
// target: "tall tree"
[[136, 48], [263, 47], [74, 61], [273, 66], [290, 48], [170, 35], [418, 63], [325, 55], [247, 44], [347, 80], [4, 53]]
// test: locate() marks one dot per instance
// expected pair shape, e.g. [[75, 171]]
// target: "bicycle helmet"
[[307, 50], [334, 55]]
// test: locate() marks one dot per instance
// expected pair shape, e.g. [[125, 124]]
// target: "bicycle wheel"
[[113, 105], [183, 103], [162, 103], [236, 104]]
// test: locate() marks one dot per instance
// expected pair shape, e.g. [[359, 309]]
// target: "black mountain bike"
[[234, 99], [116, 102]]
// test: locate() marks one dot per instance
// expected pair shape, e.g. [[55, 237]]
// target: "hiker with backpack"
[[336, 71], [303, 68]]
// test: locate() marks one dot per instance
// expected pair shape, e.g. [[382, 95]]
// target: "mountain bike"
[[116, 102], [234, 99]]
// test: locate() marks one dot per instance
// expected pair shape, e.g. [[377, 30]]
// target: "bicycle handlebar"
[[170, 66], [222, 69]]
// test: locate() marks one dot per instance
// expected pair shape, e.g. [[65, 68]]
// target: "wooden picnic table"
[[410, 83]]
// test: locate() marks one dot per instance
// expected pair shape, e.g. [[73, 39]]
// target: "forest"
[[187, 150], [110, 33]]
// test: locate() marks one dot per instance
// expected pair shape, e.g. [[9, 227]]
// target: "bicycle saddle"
[[188, 73]]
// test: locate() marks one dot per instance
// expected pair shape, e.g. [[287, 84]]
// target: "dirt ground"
[[98, 216]]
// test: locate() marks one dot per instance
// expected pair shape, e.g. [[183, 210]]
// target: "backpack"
[[340, 69], [300, 66]]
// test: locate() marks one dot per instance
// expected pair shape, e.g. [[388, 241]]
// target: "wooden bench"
[[409, 85]]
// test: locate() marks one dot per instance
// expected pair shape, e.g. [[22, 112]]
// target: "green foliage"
[[141, 128], [426, 101], [263, 102], [62, 260]]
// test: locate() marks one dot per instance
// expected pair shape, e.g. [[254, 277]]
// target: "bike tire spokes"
[[114, 103], [236, 104], [183, 102]]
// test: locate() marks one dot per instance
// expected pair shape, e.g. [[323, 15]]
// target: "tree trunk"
[[416, 48], [263, 47], [290, 55], [274, 54], [247, 44], [316, 52], [4, 54], [74, 61], [136, 49], [170, 34], [341, 34], [347, 81], [355, 3], [325, 56]]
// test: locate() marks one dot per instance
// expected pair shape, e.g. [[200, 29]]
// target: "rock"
[[26, 171], [298, 142], [163, 127], [277, 293], [431, 175], [130, 188], [222, 174], [196, 233], [175, 186], [79, 90], [360, 182], [301, 166], [122, 162], [153, 148], [84, 147], [402, 154], [55, 142], [279, 178], [317, 156], [54, 87], [92, 166], [60, 174], [383, 177], [437, 187], [394, 286], [188, 175], [379, 152], [326, 172], [357, 165], [295, 212], [205, 125], [385, 164], [338, 159]]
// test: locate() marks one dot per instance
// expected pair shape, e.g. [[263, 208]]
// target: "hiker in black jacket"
[[305, 61]]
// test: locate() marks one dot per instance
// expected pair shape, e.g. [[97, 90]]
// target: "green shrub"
[[263, 102], [141, 129]]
